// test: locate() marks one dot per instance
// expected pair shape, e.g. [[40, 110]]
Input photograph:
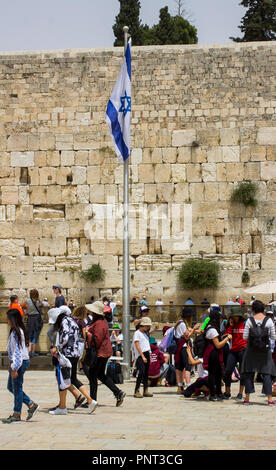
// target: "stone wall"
[[203, 118]]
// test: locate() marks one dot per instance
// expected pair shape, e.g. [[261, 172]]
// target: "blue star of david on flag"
[[125, 109], [118, 113]]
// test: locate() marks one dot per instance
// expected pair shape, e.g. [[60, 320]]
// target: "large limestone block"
[[79, 175], [6, 229], [226, 262], [54, 195], [38, 195], [231, 154], [253, 261], [257, 153], [178, 173], [21, 159], [153, 262], [67, 158], [268, 171], [53, 158], [229, 136], [269, 260], [146, 173], [68, 263], [205, 244], [97, 193], [196, 191], [137, 193], [214, 154], [44, 263], [150, 193], [54, 228], [152, 155], [9, 195], [184, 155], [169, 155], [266, 136], [12, 247], [208, 137], [17, 142], [162, 173], [181, 192], [183, 137], [237, 244], [64, 142], [164, 192], [209, 172], [234, 171], [47, 141], [52, 247], [93, 174], [47, 176], [194, 173], [27, 229]]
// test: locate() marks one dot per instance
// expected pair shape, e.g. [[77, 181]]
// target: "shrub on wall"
[[2, 280], [245, 193], [245, 277], [93, 274], [199, 274]]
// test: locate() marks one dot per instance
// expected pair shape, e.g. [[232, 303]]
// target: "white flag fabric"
[[118, 113]]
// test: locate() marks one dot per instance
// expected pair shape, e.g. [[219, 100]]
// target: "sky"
[[70, 24]]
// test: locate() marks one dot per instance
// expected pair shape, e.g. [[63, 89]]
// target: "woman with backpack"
[[213, 354], [33, 308], [235, 327], [259, 331], [67, 343]]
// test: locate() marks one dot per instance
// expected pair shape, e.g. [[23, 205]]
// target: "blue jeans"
[[15, 386]]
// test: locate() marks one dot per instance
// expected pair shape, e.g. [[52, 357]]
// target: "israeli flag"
[[118, 113]]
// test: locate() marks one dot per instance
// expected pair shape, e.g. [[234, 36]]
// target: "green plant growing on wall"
[[2, 280], [245, 193], [93, 274], [245, 277], [199, 274]]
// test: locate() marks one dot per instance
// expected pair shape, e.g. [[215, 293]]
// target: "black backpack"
[[114, 371], [259, 336], [171, 376], [199, 345]]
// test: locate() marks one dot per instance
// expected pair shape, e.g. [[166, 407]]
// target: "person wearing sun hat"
[[98, 330], [141, 348]]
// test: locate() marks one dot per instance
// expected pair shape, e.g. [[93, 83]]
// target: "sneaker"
[[58, 411], [120, 398], [54, 408], [180, 390], [147, 393], [92, 406], [246, 402], [79, 401], [137, 394], [239, 396], [11, 419], [226, 396], [215, 398], [84, 405], [32, 411], [271, 403]]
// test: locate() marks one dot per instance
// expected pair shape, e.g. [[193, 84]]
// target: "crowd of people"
[[199, 359]]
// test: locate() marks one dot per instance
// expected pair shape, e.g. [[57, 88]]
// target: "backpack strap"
[[253, 323], [265, 320], [178, 323]]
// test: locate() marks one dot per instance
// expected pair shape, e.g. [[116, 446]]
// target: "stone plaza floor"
[[165, 422]]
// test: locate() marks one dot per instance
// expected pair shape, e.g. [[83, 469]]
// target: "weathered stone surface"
[[192, 140]]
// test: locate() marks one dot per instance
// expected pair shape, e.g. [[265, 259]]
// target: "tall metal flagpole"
[[126, 293]]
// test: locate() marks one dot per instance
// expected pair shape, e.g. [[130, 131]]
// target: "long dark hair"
[[16, 324], [214, 322], [59, 321]]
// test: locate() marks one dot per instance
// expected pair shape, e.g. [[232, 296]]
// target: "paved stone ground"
[[166, 421]]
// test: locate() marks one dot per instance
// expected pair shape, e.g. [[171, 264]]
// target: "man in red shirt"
[[235, 327]]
